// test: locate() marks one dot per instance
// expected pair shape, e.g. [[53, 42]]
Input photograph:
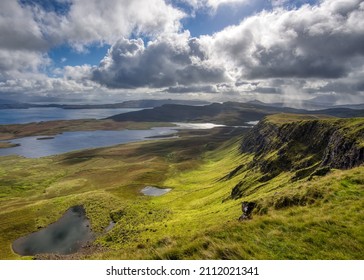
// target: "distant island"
[[144, 103]]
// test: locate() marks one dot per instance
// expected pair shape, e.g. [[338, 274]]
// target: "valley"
[[304, 175]]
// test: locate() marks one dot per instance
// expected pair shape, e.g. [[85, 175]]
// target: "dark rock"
[[236, 191], [232, 173], [247, 208], [342, 153], [299, 145]]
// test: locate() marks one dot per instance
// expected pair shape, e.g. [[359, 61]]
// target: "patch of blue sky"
[[299, 3], [207, 22], [57, 6], [65, 55]]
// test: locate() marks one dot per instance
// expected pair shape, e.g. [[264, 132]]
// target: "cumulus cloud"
[[22, 44], [18, 28], [28, 30], [308, 43], [91, 21], [29, 27], [312, 41], [167, 61], [17, 63], [290, 50]]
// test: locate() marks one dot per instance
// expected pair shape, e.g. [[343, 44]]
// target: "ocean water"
[[13, 116]]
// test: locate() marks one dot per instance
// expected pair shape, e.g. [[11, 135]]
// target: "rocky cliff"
[[307, 147]]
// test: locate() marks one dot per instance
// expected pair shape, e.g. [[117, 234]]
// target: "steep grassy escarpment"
[[304, 145]]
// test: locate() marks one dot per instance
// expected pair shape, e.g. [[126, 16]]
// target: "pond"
[[154, 191], [65, 236]]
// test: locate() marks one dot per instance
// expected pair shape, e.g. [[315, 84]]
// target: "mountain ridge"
[[228, 113], [143, 103]]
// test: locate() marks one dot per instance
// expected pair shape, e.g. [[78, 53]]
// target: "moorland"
[[301, 173]]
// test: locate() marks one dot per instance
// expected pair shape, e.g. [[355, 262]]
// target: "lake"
[[32, 147], [65, 236], [14, 116]]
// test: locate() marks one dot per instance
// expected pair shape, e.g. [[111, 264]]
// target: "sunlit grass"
[[320, 218]]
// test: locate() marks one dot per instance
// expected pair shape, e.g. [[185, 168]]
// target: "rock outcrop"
[[305, 146], [247, 207]]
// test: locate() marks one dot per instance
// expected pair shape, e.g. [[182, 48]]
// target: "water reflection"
[[154, 191], [32, 147], [65, 236]]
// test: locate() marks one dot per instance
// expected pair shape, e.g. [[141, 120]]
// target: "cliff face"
[[307, 147]]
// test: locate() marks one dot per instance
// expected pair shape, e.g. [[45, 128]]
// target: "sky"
[[216, 50]]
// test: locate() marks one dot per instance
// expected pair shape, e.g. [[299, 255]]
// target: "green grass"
[[285, 118], [316, 218]]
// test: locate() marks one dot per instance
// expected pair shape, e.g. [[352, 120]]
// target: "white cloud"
[[30, 31], [19, 63], [216, 3], [90, 21], [284, 52], [27, 32], [310, 42], [213, 4], [22, 44], [167, 61], [18, 28]]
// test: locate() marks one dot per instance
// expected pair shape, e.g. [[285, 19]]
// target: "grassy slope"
[[196, 220]]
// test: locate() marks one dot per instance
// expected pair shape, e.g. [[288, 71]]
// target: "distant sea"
[[14, 116]]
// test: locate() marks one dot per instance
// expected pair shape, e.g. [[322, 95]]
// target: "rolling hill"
[[289, 188]]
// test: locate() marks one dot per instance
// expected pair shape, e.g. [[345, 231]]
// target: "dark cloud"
[[192, 89], [360, 86], [343, 86], [162, 63], [277, 62], [269, 90]]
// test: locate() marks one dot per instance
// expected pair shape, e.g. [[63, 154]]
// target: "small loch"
[[65, 236], [154, 191]]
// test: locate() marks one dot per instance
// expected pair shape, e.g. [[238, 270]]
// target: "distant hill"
[[228, 113], [144, 103]]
